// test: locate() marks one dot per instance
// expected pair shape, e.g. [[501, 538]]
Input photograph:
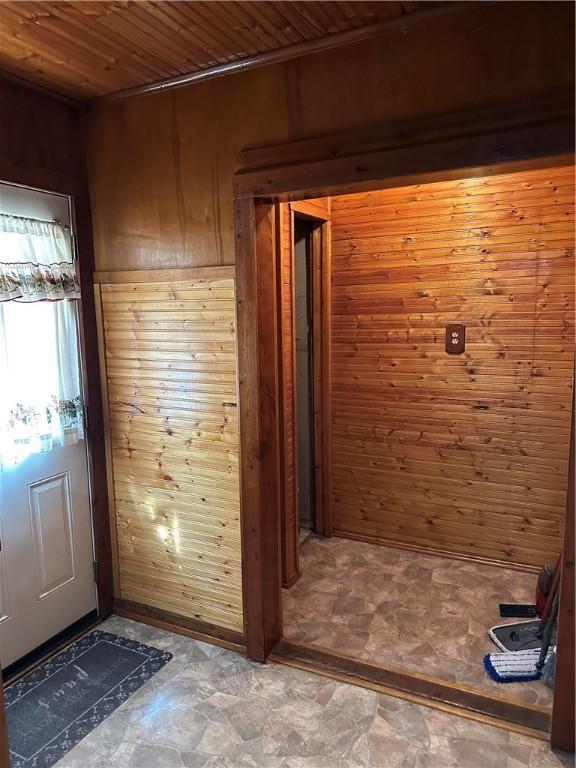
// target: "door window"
[[40, 392]]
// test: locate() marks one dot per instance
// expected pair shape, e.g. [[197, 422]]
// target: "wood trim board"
[[259, 448], [161, 275], [563, 706], [181, 625], [422, 689]]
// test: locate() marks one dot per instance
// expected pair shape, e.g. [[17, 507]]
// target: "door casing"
[[538, 137]]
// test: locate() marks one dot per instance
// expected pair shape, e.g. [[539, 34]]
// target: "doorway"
[[47, 574], [304, 337]]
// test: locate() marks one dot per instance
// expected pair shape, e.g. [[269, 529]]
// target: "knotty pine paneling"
[[462, 453], [171, 380]]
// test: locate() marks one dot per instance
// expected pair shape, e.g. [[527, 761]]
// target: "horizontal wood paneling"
[[461, 453], [171, 381]]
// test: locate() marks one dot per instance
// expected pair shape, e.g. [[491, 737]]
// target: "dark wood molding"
[[438, 552], [93, 397], [287, 389], [429, 688], [258, 391], [181, 625], [564, 693], [412, 153], [218, 271]]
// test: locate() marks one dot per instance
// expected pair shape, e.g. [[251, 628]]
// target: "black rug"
[[56, 705]]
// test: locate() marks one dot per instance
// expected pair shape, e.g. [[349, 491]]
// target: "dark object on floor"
[[56, 705], [513, 611], [547, 585], [522, 636]]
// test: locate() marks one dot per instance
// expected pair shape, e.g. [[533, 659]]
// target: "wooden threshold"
[[181, 625], [460, 700]]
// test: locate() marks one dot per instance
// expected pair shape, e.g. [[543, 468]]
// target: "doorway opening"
[[431, 531], [45, 501], [305, 363]]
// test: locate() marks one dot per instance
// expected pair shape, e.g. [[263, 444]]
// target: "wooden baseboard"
[[292, 580], [181, 625], [436, 552], [457, 699]]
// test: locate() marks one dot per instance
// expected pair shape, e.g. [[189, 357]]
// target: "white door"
[[46, 557], [47, 573]]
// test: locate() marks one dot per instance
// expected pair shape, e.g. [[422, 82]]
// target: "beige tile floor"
[[211, 708], [402, 608]]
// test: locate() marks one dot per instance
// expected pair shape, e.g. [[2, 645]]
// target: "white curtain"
[[40, 389]]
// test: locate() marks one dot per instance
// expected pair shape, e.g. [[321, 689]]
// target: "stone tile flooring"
[[211, 708], [406, 609]]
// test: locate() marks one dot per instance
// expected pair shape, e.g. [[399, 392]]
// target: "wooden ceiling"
[[90, 49]]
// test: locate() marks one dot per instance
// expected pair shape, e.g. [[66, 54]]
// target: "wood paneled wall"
[[161, 166], [169, 351], [461, 453]]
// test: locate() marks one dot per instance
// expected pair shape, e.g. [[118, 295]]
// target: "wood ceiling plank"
[[101, 47], [228, 14], [46, 53], [129, 28], [302, 18], [284, 32], [190, 31], [136, 60], [212, 23]]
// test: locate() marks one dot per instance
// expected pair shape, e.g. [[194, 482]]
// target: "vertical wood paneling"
[[171, 380], [468, 453]]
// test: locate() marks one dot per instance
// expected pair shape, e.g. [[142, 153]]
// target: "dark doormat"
[[57, 704]]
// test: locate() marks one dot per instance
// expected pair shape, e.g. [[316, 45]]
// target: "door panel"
[[47, 548], [51, 513]]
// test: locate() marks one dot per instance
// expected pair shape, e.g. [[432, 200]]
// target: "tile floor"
[[211, 708], [406, 609]]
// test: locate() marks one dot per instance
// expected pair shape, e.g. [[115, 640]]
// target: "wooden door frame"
[[84, 253], [320, 285], [524, 137]]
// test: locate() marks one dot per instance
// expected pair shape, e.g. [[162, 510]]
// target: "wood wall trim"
[[564, 695], [553, 107], [527, 715], [107, 440], [258, 384], [317, 210], [439, 552], [400, 167], [218, 271], [93, 397], [181, 625], [287, 395]]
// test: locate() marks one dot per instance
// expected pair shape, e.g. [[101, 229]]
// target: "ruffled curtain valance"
[[36, 261]]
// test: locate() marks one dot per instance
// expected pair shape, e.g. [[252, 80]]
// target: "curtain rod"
[[38, 221]]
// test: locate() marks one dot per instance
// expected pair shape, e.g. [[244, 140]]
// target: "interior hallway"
[[211, 708], [405, 609]]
